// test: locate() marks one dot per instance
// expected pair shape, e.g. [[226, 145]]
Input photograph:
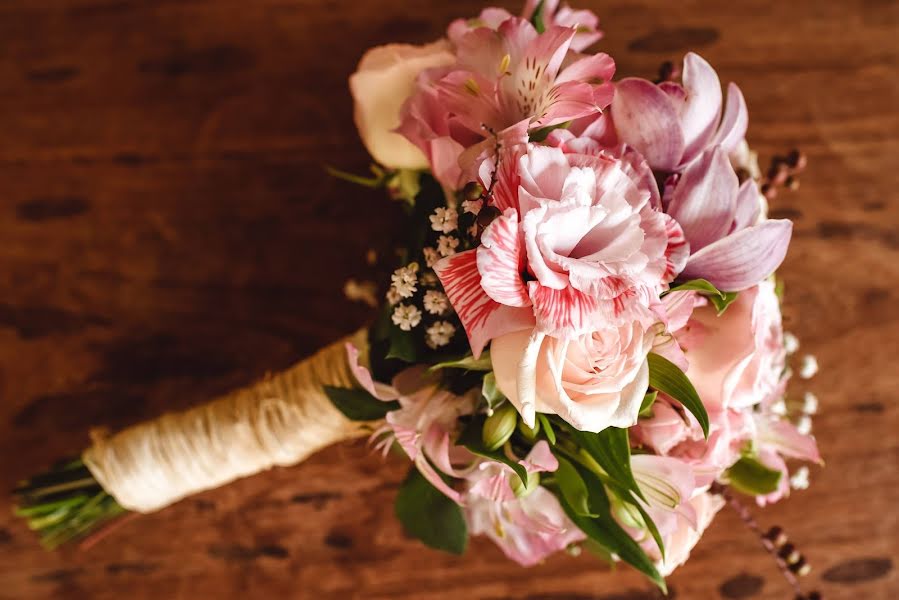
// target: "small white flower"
[[799, 479], [446, 245], [405, 279], [436, 302], [809, 367], [440, 334], [406, 316], [444, 220], [431, 256], [393, 296], [804, 425], [810, 404], [472, 206], [779, 408], [791, 342]]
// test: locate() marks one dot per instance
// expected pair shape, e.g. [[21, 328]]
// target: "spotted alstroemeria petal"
[[482, 317]]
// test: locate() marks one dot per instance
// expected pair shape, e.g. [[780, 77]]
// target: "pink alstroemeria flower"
[[528, 528], [731, 245], [506, 81], [585, 22], [423, 424], [671, 124]]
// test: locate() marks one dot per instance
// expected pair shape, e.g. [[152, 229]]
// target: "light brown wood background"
[[167, 234]]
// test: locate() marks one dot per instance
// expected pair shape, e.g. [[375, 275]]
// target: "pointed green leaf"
[[573, 487], [402, 345], [611, 450], [427, 514], [720, 299], [646, 406], [667, 378], [548, 428], [359, 405], [491, 393], [469, 363], [537, 19], [749, 476]]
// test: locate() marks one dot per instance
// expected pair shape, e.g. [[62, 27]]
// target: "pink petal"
[[741, 260], [572, 100], [471, 97], [677, 251], [527, 378], [595, 68], [548, 50], [540, 459], [749, 205], [646, 120], [434, 478], [444, 156], [735, 122], [543, 171], [482, 317], [705, 199], [784, 438], [500, 260], [377, 389], [702, 107]]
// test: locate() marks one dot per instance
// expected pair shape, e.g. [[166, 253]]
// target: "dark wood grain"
[[168, 234]]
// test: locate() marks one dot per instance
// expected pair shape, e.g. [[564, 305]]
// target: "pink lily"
[[527, 528], [671, 124], [584, 21], [730, 246], [423, 424]]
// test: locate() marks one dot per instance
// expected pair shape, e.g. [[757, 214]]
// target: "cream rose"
[[594, 381], [383, 80]]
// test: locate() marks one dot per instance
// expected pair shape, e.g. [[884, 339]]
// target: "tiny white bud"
[[804, 425], [779, 408], [799, 479], [810, 404], [791, 342], [809, 367]]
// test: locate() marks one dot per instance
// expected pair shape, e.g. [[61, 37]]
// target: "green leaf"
[[548, 428], [667, 378], [539, 135], [609, 534], [491, 393], [573, 487], [402, 345], [537, 19], [427, 514], [611, 450], [469, 363], [750, 476], [720, 299], [359, 405], [646, 406], [470, 438]]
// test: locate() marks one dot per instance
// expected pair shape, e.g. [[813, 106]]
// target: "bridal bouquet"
[[581, 343]]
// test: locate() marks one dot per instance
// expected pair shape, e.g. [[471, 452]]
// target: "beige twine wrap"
[[279, 421]]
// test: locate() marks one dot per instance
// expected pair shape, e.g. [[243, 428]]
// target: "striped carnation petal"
[[565, 313], [482, 317], [500, 261]]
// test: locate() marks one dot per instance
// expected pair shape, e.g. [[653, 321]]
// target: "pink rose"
[[737, 359], [383, 80], [593, 381]]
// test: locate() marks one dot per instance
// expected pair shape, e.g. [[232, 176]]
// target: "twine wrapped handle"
[[279, 421]]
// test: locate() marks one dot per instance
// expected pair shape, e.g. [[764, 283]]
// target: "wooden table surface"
[[168, 234]]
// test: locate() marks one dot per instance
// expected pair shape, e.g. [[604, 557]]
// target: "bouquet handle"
[[280, 420]]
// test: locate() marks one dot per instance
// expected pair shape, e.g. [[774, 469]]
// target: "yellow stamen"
[[471, 86], [504, 64]]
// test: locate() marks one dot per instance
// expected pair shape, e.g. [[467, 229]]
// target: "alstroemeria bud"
[[499, 426], [529, 433], [520, 489]]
